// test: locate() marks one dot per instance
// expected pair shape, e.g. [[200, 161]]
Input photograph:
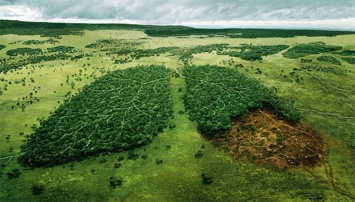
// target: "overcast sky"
[[314, 14]]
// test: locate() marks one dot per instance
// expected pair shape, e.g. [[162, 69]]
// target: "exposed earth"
[[263, 137]]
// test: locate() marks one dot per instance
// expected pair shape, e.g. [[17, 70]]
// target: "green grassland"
[[167, 168]]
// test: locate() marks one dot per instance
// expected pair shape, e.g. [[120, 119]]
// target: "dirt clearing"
[[263, 138]]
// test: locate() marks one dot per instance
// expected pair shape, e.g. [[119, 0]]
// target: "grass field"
[[326, 101]]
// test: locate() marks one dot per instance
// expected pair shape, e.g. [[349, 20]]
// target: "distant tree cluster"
[[2, 46], [106, 44], [329, 59], [120, 111], [216, 94], [346, 53], [7, 66], [62, 49], [40, 42], [318, 68], [24, 51], [187, 55], [350, 60], [302, 50], [251, 52], [152, 52]]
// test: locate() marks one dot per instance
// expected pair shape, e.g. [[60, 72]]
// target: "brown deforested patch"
[[264, 138]]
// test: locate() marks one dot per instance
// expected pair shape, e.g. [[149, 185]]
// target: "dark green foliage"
[[38, 42], [349, 60], [37, 59], [24, 51], [284, 108], [346, 53], [122, 61], [120, 111], [187, 54], [55, 30], [206, 179], [332, 70], [117, 165], [132, 156], [217, 94], [2, 46], [14, 174], [43, 29], [250, 52], [208, 48], [329, 59], [302, 50], [115, 46], [237, 33], [37, 189], [152, 52], [303, 60], [199, 154], [158, 161], [62, 49], [114, 182]]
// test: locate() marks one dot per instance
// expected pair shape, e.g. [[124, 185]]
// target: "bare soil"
[[263, 137]]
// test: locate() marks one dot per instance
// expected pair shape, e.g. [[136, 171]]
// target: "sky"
[[296, 14]]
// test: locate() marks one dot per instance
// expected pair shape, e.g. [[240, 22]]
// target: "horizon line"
[[318, 25]]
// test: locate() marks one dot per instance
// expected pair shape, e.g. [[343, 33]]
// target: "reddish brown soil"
[[262, 137]]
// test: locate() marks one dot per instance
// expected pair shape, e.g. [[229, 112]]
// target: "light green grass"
[[178, 178]]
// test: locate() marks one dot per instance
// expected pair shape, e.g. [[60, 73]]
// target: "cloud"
[[199, 12], [19, 13]]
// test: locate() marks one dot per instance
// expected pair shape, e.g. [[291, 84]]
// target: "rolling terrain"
[[145, 113]]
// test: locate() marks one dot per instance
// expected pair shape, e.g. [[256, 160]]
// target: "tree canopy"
[[217, 94], [120, 111], [302, 50]]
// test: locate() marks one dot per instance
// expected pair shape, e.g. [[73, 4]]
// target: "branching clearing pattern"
[[120, 111], [216, 94]]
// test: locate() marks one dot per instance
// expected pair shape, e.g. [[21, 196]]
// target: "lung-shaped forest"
[[125, 109]]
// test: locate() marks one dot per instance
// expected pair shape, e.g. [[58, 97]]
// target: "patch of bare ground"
[[263, 137]]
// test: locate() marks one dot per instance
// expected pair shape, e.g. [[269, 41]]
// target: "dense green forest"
[[302, 50], [24, 51], [55, 30], [215, 95], [120, 111], [238, 33]]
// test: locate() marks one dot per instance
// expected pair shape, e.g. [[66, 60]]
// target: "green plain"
[[325, 100]]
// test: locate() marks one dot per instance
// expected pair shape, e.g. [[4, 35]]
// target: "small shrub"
[[37, 189]]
